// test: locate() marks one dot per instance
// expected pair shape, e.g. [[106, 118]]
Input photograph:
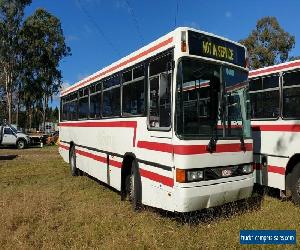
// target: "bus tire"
[[295, 184], [73, 168], [134, 187], [21, 144]]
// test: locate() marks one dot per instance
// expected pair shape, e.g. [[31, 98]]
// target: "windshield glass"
[[211, 101]]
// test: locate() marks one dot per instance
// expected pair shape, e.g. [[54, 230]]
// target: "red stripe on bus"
[[116, 124], [64, 147], [132, 59], [202, 149], [192, 149], [91, 156], [277, 170], [157, 177], [99, 158], [114, 163], [156, 146], [281, 128], [275, 68]]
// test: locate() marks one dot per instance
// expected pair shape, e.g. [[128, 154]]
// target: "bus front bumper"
[[195, 198]]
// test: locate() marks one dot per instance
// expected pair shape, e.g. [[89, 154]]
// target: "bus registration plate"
[[226, 172]]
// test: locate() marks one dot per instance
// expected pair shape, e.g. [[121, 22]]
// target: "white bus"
[[130, 126], [275, 100]]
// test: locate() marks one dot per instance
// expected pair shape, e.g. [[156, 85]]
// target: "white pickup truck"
[[10, 136]]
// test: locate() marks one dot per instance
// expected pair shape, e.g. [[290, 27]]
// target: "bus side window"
[[159, 114], [264, 97], [95, 100], [133, 91], [111, 97], [83, 104], [291, 95]]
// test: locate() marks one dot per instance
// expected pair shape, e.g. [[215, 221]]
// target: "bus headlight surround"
[[247, 169], [194, 175]]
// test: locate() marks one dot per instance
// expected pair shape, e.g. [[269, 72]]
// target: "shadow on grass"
[[7, 157]]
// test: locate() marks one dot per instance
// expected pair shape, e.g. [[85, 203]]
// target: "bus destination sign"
[[216, 48]]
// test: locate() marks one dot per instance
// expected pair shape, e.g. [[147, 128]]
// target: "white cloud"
[[228, 14], [70, 38]]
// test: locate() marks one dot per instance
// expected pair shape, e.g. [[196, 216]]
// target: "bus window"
[[83, 104], [264, 97], [111, 97], [159, 115], [95, 101], [291, 95], [133, 92]]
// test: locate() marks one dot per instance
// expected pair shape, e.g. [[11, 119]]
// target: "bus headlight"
[[194, 175], [247, 169]]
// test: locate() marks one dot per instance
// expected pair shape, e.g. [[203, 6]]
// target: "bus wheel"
[[134, 187], [295, 184], [74, 169]]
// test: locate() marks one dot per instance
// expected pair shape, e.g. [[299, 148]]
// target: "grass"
[[42, 206]]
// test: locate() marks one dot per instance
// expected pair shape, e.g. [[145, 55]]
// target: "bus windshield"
[[212, 101]]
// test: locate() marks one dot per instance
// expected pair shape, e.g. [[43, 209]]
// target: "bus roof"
[[161, 44], [274, 69]]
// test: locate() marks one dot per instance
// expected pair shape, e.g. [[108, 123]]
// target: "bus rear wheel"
[[73, 168], [295, 184], [133, 187]]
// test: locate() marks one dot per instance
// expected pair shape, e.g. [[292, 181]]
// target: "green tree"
[[268, 44], [44, 47], [55, 114], [11, 17]]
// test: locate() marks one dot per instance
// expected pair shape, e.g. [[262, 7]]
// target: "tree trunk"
[[8, 93], [17, 111], [44, 111]]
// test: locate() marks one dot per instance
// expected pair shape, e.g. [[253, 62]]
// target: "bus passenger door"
[[159, 126]]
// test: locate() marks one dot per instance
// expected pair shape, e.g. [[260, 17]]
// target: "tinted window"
[[292, 78], [255, 84], [111, 102], [127, 76], [93, 88], [95, 105], [133, 98], [83, 107], [160, 65], [270, 82], [8, 131], [113, 81], [138, 72], [291, 103], [265, 104], [72, 110]]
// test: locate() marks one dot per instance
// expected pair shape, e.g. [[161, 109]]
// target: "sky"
[[100, 32]]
